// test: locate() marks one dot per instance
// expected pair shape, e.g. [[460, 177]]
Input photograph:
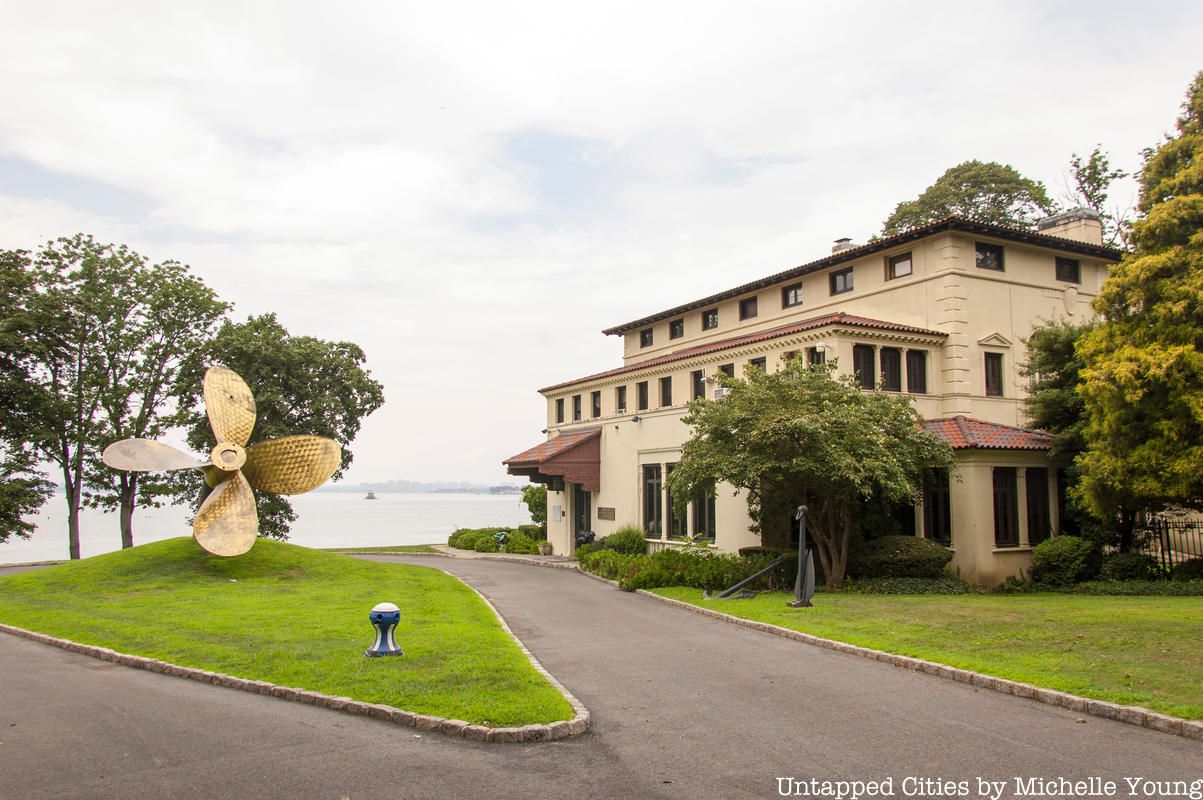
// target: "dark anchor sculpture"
[[804, 586]]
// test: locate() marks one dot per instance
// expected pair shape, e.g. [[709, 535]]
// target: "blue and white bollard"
[[384, 619]]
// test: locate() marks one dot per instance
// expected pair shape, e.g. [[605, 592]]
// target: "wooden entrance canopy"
[[575, 457]]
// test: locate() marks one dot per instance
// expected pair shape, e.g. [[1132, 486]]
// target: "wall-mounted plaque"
[[605, 513]]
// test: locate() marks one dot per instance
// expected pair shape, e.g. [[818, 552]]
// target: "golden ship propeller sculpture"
[[226, 523]]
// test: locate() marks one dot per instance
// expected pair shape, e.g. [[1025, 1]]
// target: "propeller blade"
[[230, 405], [291, 464], [226, 524], [144, 455]]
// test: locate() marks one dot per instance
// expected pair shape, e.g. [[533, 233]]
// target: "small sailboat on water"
[[371, 495]]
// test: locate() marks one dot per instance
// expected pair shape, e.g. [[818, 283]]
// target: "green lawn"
[[1140, 651], [295, 617], [392, 548]]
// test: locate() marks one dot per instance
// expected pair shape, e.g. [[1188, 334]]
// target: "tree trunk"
[[129, 492], [72, 520]]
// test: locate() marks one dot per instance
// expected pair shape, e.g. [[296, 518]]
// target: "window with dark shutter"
[[916, 371], [891, 369], [864, 364], [1006, 513], [994, 375]]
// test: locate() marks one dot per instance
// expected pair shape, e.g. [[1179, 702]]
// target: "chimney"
[[1079, 224], [841, 245]]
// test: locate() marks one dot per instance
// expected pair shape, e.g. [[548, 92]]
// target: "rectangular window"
[[645, 337], [816, 356], [989, 256], [1006, 514], [788, 356], [758, 363], [898, 266], [576, 408], [641, 395], [1039, 524], [864, 364], [559, 410], [666, 391], [791, 296], [937, 508], [676, 522], [652, 508], [841, 281], [697, 379], [1069, 270], [620, 399], [703, 515], [916, 371], [710, 319], [891, 369], [676, 329], [727, 369], [994, 375], [595, 404], [747, 308]]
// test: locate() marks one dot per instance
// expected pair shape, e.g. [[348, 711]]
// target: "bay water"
[[324, 519]]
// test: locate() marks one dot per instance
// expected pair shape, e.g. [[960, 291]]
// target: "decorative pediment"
[[995, 339]]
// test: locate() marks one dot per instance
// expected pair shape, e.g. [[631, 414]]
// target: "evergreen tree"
[[1143, 367]]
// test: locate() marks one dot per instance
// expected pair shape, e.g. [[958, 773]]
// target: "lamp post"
[[804, 586]]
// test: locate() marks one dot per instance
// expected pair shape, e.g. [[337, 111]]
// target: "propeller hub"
[[228, 456]]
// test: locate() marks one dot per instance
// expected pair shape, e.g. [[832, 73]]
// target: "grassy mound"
[[296, 617]]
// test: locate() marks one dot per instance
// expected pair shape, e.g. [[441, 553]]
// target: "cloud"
[[473, 191]]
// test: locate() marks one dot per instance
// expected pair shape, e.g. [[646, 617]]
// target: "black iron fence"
[[1171, 540]]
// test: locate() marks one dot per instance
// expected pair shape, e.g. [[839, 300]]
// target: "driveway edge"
[[1132, 715], [422, 722]]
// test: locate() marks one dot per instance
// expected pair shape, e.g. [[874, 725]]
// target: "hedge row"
[[523, 539], [701, 569]]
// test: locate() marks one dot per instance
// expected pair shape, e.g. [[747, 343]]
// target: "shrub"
[[535, 532], [683, 567], [945, 584], [584, 550], [466, 538], [1166, 588], [1129, 567], [627, 539], [486, 544], [1191, 570], [1064, 560], [898, 557], [519, 542]]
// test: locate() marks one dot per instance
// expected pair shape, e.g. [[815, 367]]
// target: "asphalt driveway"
[[683, 706]]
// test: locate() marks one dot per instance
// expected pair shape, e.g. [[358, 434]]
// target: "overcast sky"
[[471, 192]]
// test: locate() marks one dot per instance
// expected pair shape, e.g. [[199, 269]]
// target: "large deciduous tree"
[[989, 192], [302, 385], [1143, 367], [1090, 183], [22, 491], [91, 333], [803, 436], [175, 315]]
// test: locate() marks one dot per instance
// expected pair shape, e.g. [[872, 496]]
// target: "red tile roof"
[[950, 223], [839, 318], [965, 433], [552, 447]]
